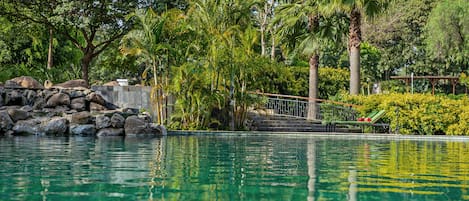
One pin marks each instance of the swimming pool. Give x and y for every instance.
(236, 166)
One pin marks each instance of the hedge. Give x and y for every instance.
(421, 114)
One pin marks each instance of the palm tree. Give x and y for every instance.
(300, 20)
(147, 41)
(220, 27)
(355, 9)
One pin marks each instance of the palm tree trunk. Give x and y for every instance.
(262, 40)
(313, 86)
(158, 95)
(51, 46)
(354, 47)
(272, 52)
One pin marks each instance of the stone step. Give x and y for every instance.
(274, 122)
(292, 124)
(279, 118)
(293, 129)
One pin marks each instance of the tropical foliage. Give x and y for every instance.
(448, 35)
(421, 114)
(207, 56)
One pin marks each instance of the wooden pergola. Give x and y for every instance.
(433, 80)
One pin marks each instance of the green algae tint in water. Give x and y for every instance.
(229, 167)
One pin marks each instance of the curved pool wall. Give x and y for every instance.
(235, 166)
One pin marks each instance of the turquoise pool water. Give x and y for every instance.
(233, 167)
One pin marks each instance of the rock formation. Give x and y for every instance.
(27, 108)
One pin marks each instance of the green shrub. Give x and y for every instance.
(331, 81)
(421, 114)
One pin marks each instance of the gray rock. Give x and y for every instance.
(30, 96)
(77, 94)
(102, 121)
(56, 126)
(6, 123)
(110, 132)
(26, 108)
(17, 114)
(11, 84)
(81, 118)
(159, 129)
(39, 104)
(14, 97)
(135, 126)
(83, 130)
(9, 133)
(56, 111)
(46, 94)
(96, 98)
(28, 127)
(117, 121)
(58, 99)
(78, 104)
(96, 107)
(1, 100)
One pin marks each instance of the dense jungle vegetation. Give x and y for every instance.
(209, 54)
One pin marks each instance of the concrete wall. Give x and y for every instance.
(137, 97)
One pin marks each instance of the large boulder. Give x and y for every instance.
(96, 98)
(56, 126)
(28, 127)
(58, 99)
(83, 130)
(14, 97)
(18, 114)
(139, 126)
(30, 96)
(117, 121)
(24, 82)
(110, 132)
(81, 118)
(73, 84)
(134, 126)
(78, 104)
(102, 121)
(6, 123)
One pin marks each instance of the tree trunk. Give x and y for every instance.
(85, 64)
(272, 53)
(262, 40)
(354, 47)
(313, 86)
(51, 46)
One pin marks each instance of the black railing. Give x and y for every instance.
(295, 106)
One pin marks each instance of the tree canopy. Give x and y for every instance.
(89, 25)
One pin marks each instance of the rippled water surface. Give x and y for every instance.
(232, 167)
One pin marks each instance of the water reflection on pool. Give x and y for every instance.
(233, 167)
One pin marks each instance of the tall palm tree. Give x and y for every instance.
(355, 9)
(299, 31)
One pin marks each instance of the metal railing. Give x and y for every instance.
(299, 107)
